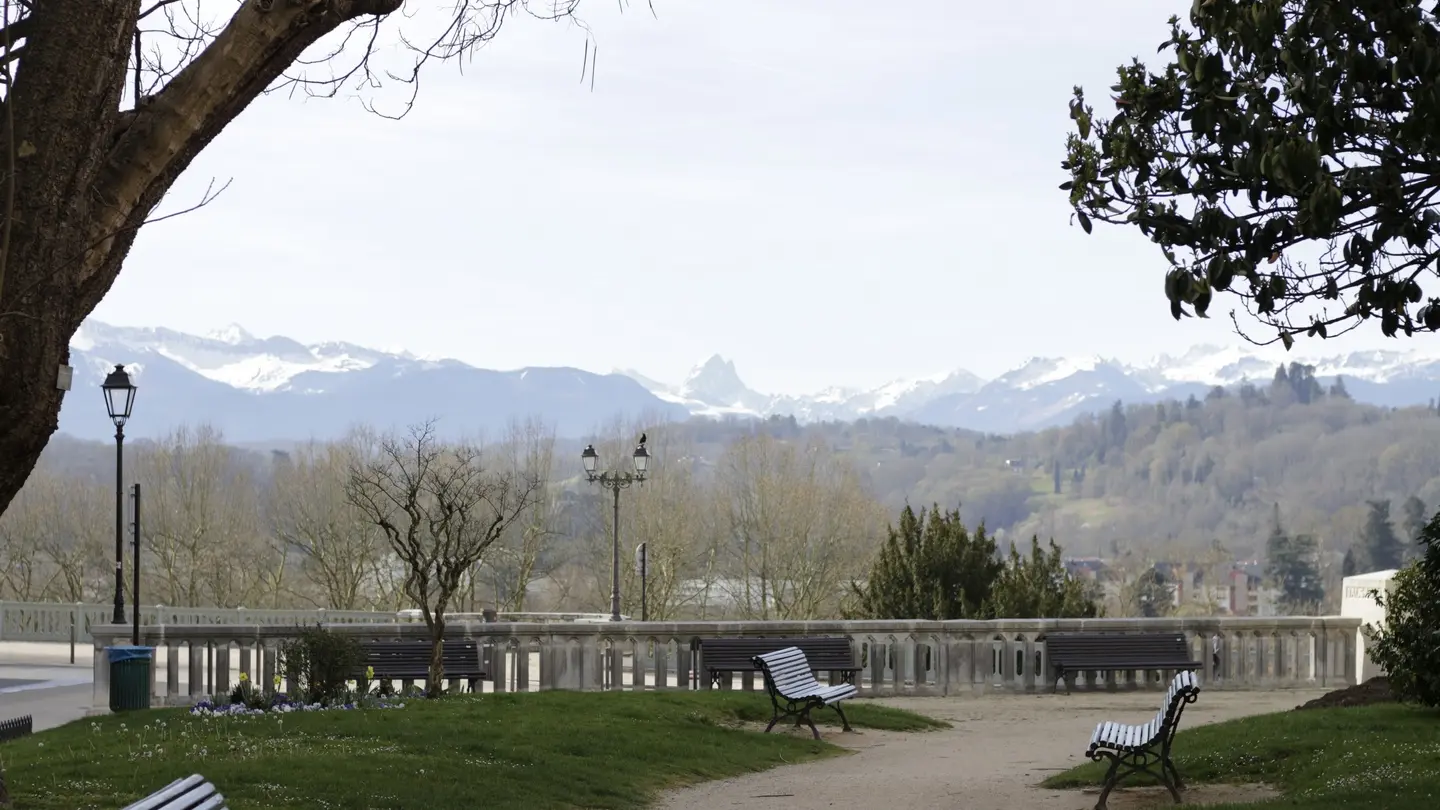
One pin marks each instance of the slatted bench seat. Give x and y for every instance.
(789, 678)
(1072, 653)
(408, 660)
(720, 657)
(190, 793)
(1145, 747)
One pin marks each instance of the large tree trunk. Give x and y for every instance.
(87, 175)
(435, 682)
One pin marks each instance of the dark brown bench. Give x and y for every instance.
(1071, 653)
(408, 660)
(720, 657)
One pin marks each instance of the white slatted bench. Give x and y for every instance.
(190, 793)
(789, 679)
(1143, 747)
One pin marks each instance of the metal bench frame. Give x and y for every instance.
(1148, 755)
(800, 707)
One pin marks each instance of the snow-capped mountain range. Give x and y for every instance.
(259, 389)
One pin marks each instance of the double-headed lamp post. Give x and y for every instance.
(119, 399)
(616, 481)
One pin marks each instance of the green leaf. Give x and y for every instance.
(1288, 340)
(1084, 220)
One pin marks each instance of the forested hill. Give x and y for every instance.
(1170, 477)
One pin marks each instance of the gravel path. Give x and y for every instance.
(1000, 747)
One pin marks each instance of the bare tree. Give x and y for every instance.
(24, 529)
(310, 514)
(200, 520)
(107, 102)
(79, 513)
(441, 506)
(523, 554)
(800, 524)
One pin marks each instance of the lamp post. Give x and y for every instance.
(616, 481)
(119, 399)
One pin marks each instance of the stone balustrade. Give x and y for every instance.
(897, 657)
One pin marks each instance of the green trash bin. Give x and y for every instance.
(130, 677)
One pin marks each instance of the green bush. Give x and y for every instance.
(1408, 647)
(319, 663)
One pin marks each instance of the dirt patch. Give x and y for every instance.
(1146, 798)
(1369, 693)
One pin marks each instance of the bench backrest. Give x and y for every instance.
(787, 672)
(1079, 649)
(1184, 689)
(16, 728)
(459, 655)
(825, 653)
(190, 793)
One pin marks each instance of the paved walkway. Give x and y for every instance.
(998, 749)
(39, 680)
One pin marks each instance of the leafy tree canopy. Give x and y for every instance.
(1280, 129)
(930, 568)
(1038, 586)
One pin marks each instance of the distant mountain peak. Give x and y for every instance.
(233, 334)
(1041, 392)
(716, 382)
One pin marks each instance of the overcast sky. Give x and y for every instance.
(825, 191)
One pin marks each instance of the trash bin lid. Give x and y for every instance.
(129, 653)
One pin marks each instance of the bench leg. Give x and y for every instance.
(1137, 762)
(1112, 778)
(775, 713)
(1175, 784)
(805, 715)
(845, 723)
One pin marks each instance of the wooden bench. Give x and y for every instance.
(720, 657)
(1070, 653)
(789, 678)
(190, 793)
(1142, 748)
(408, 660)
(16, 728)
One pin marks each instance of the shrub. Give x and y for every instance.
(319, 664)
(1408, 647)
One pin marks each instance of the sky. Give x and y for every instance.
(827, 192)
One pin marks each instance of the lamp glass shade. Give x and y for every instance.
(590, 459)
(642, 459)
(119, 395)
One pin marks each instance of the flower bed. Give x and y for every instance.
(247, 701)
(283, 704)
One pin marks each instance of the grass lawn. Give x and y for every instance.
(1376, 757)
(536, 751)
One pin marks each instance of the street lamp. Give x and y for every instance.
(119, 399)
(616, 481)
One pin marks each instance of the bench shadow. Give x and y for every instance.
(1154, 797)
